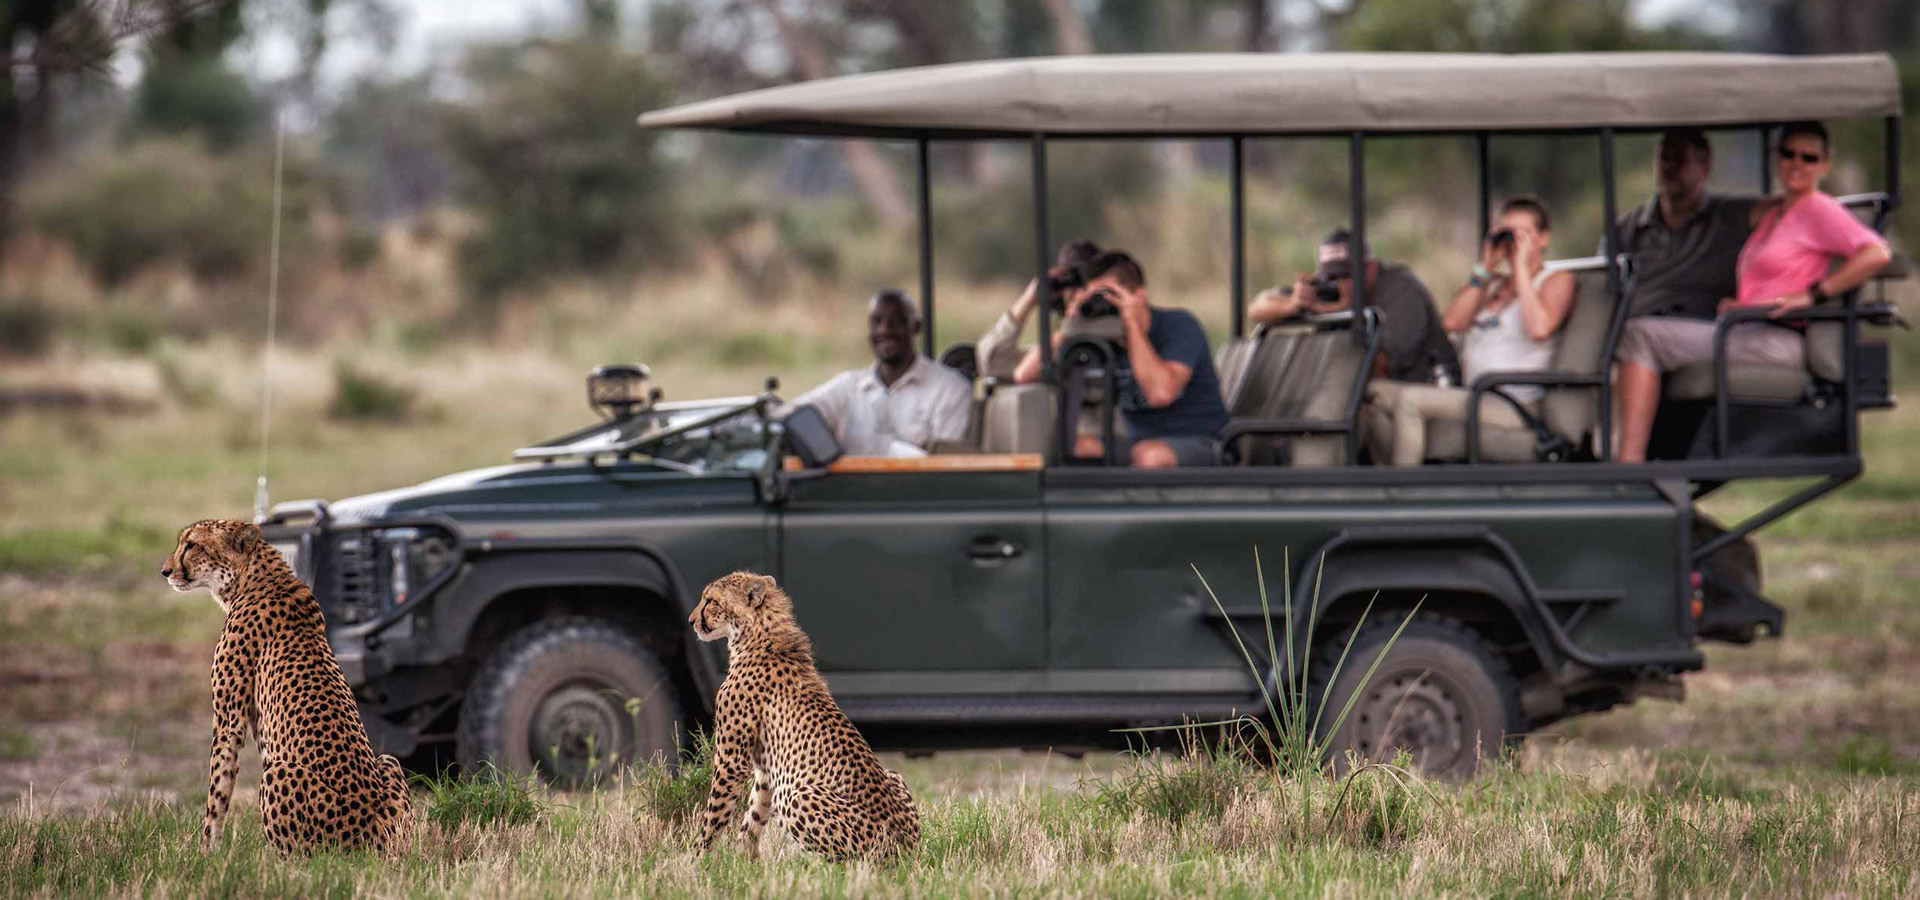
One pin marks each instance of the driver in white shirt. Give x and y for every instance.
(905, 402)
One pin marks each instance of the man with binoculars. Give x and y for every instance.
(1169, 395)
(1413, 346)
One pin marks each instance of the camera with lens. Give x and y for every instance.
(1325, 290)
(1098, 305)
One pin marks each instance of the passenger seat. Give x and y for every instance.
(1567, 414)
(1296, 401)
(1018, 418)
(1766, 385)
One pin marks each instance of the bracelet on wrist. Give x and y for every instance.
(1478, 276)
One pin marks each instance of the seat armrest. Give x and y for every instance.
(1283, 427)
(1846, 309)
(1492, 382)
(1267, 427)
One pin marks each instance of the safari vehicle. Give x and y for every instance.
(535, 613)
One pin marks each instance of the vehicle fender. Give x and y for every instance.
(499, 574)
(1360, 563)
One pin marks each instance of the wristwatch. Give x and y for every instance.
(1813, 291)
(1480, 276)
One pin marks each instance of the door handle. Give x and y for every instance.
(991, 547)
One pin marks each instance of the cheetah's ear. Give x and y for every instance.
(757, 593)
(245, 538)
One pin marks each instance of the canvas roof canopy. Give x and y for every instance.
(1310, 93)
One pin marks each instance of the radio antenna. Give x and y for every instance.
(273, 316)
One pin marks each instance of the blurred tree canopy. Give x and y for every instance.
(552, 162)
(533, 137)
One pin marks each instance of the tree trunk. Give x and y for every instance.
(869, 171)
(1070, 35)
(1259, 22)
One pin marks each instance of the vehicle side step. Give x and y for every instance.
(1056, 708)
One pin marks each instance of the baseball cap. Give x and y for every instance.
(1331, 261)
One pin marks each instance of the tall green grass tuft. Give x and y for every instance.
(1199, 785)
(1296, 734)
(673, 793)
(490, 796)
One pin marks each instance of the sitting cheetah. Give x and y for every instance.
(320, 784)
(774, 718)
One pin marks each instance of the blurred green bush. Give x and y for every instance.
(360, 395)
(164, 200)
(562, 180)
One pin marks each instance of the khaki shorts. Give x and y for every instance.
(1397, 415)
(1664, 343)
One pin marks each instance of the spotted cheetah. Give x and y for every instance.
(774, 720)
(320, 784)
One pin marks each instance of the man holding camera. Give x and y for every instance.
(1413, 346)
(1169, 393)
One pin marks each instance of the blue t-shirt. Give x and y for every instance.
(1177, 336)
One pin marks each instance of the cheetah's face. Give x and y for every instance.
(730, 603)
(210, 554)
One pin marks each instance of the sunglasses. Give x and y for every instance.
(1811, 159)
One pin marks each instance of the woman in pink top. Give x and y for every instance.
(1783, 267)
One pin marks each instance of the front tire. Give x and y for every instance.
(1440, 694)
(573, 699)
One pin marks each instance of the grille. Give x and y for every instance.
(355, 578)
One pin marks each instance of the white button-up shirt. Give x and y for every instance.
(926, 404)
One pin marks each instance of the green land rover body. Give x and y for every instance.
(535, 614)
(1018, 606)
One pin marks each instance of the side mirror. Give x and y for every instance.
(810, 438)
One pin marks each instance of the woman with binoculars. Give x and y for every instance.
(1506, 316)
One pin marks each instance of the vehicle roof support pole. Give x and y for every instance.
(1481, 142)
(1040, 252)
(1766, 163)
(1893, 165)
(1610, 245)
(1237, 234)
(926, 248)
(1357, 236)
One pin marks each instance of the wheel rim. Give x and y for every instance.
(579, 731)
(1417, 711)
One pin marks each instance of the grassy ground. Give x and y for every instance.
(1792, 769)
(1562, 822)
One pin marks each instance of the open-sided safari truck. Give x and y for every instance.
(534, 613)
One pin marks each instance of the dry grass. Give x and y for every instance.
(1563, 823)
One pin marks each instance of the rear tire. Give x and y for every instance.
(573, 699)
(1441, 694)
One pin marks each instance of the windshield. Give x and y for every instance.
(711, 436)
(736, 443)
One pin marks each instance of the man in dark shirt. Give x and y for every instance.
(1685, 242)
(1413, 346)
(1169, 394)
